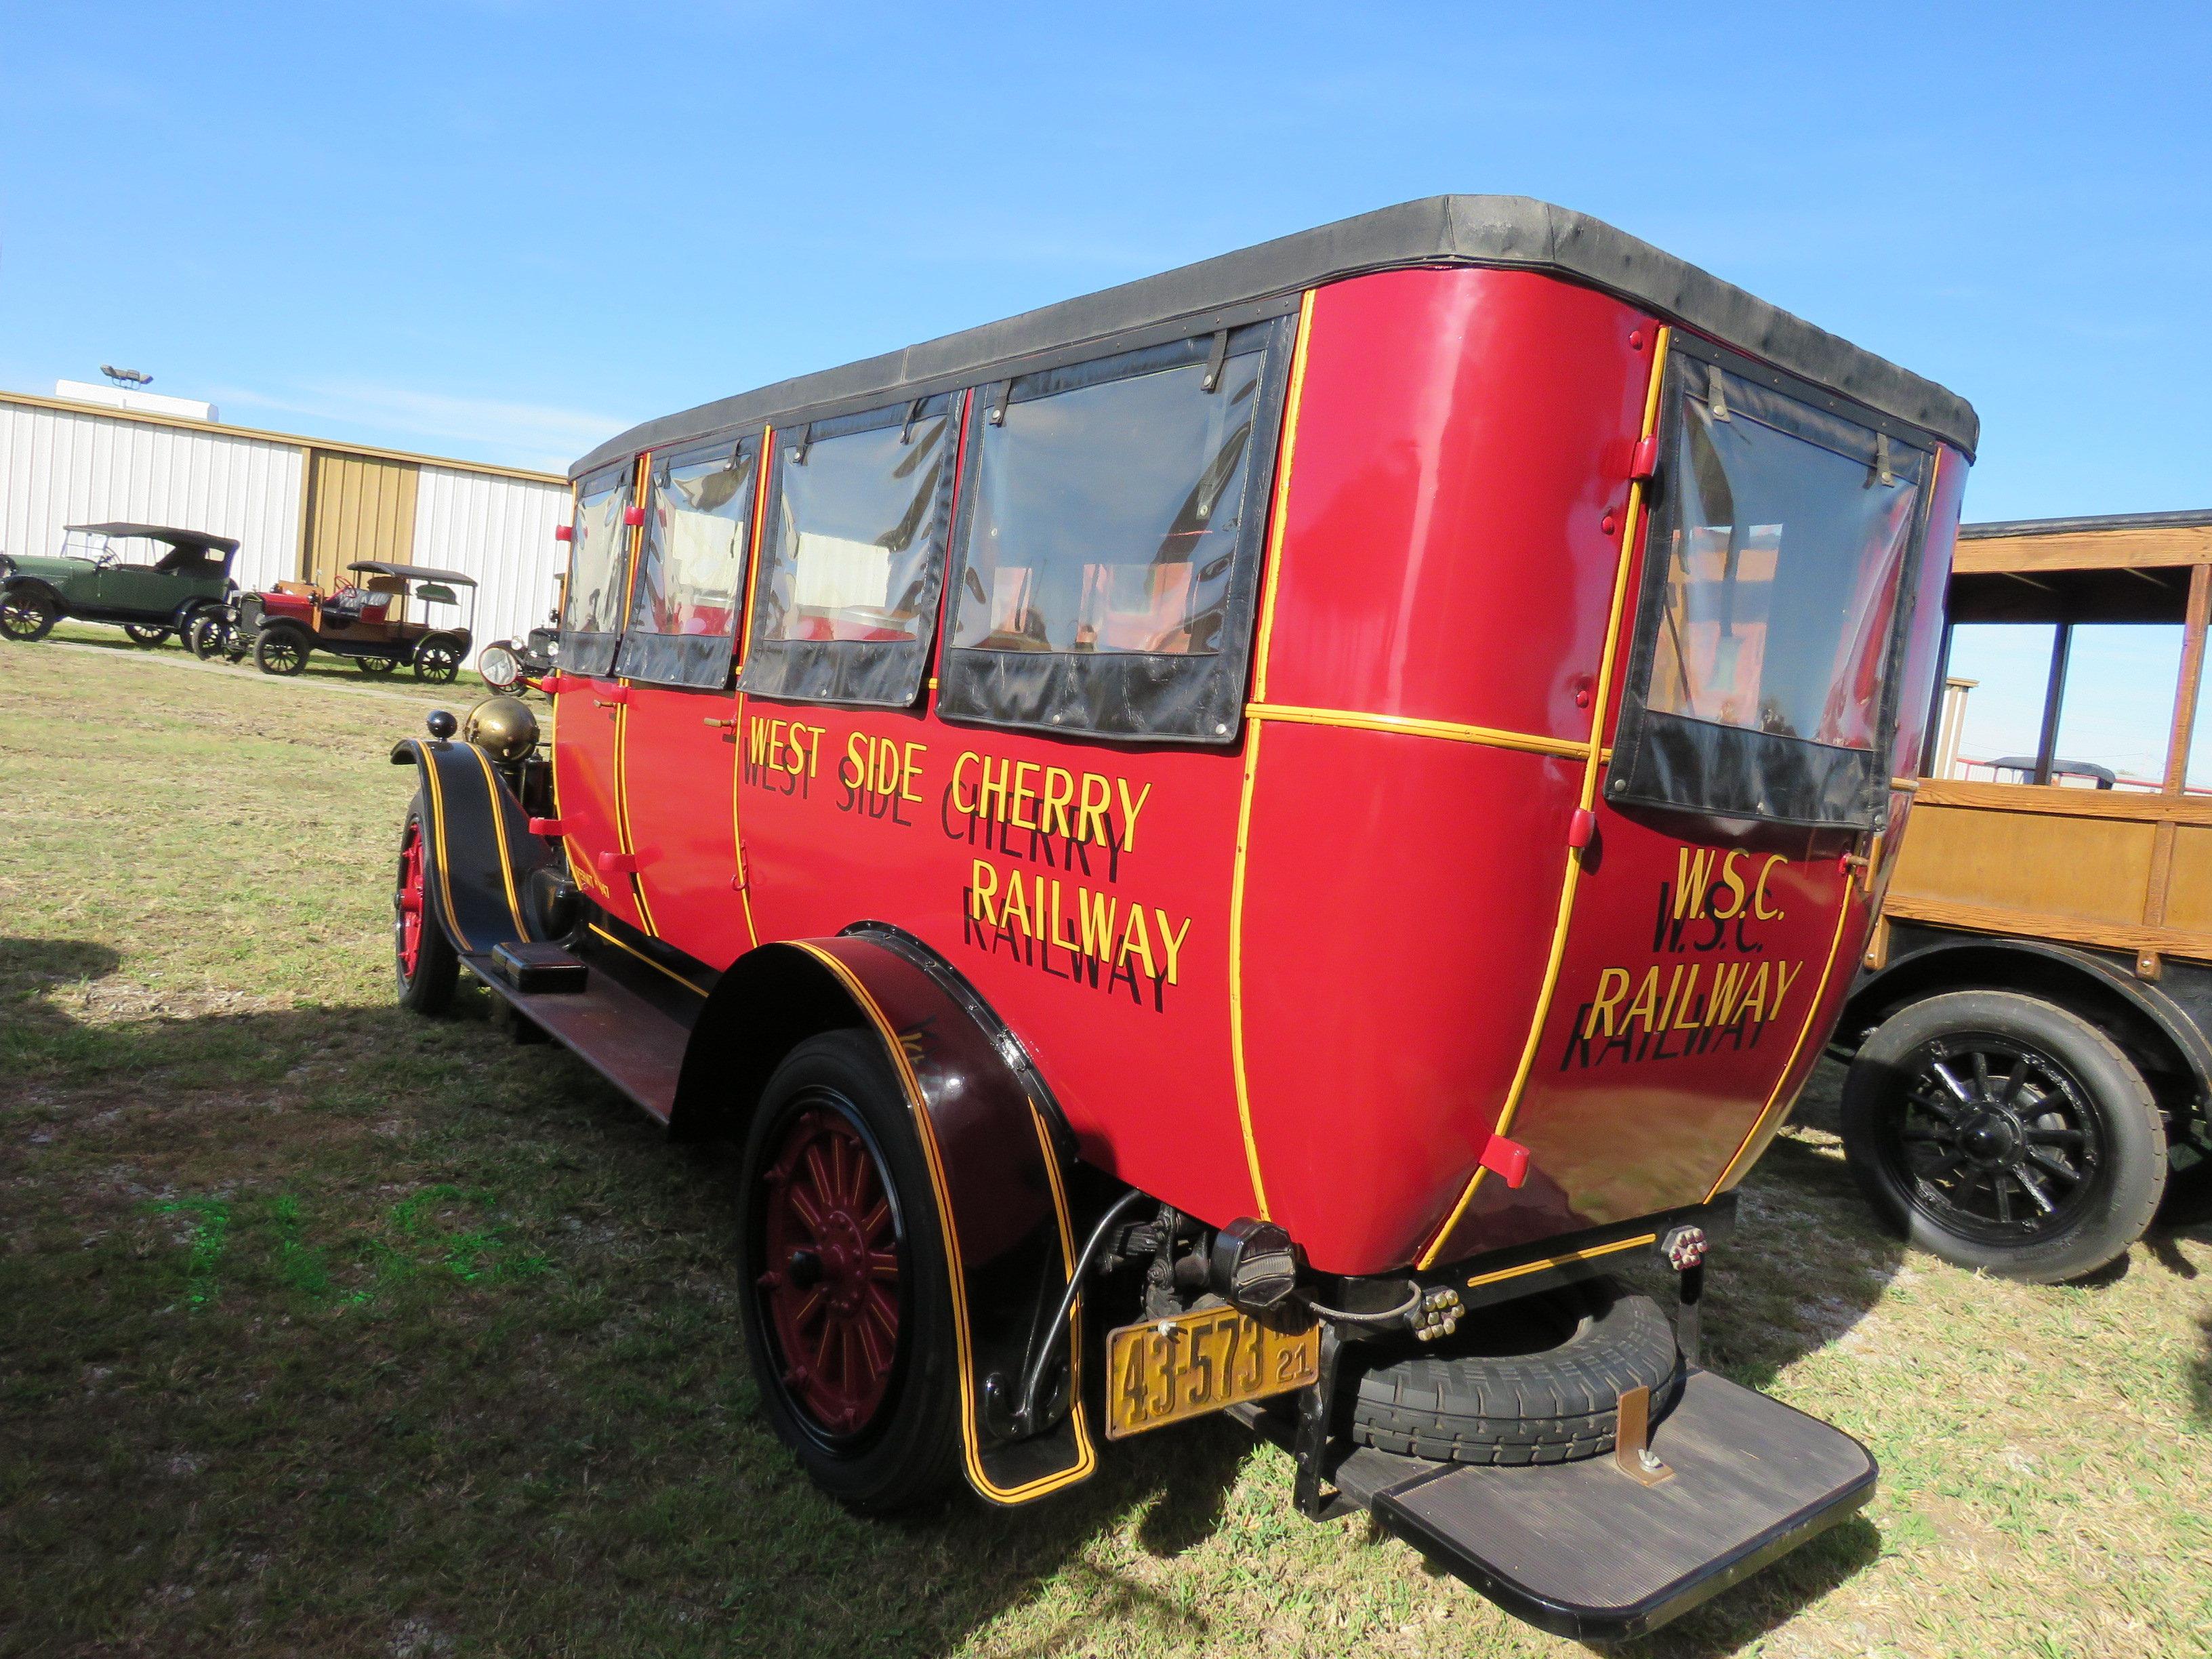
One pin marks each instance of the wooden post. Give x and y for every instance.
(2177, 756)
(2054, 699)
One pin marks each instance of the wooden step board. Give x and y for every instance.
(1582, 1550)
(629, 1037)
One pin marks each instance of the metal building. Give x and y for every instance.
(303, 509)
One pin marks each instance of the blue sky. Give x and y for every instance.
(504, 231)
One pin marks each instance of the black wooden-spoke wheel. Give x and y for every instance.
(210, 637)
(27, 614)
(436, 661)
(376, 667)
(2005, 1132)
(142, 634)
(848, 1305)
(280, 651)
(1999, 1139)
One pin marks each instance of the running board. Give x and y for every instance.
(1582, 1549)
(631, 1040)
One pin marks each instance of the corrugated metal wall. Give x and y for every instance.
(500, 530)
(59, 468)
(61, 465)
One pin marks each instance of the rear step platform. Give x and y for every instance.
(628, 1035)
(1582, 1549)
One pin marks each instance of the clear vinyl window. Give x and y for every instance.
(1107, 552)
(852, 554)
(1782, 562)
(1107, 518)
(690, 591)
(598, 573)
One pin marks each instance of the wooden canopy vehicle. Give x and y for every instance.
(395, 614)
(2032, 1027)
(149, 579)
(1240, 843)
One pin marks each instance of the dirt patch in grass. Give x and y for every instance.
(327, 1330)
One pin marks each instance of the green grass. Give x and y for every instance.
(327, 1330)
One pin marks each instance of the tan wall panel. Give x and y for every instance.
(2092, 868)
(2189, 899)
(358, 508)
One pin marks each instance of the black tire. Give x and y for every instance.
(376, 667)
(209, 635)
(1961, 1110)
(437, 661)
(27, 614)
(906, 1453)
(427, 988)
(281, 651)
(1535, 1380)
(142, 634)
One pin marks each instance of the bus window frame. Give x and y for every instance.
(1126, 696)
(597, 662)
(862, 673)
(1680, 763)
(690, 662)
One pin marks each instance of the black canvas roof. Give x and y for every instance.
(161, 533)
(412, 572)
(1510, 232)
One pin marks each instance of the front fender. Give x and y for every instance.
(481, 853)
(990, 1135)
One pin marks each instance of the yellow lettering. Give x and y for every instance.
(1129, 810)
(1603, 1004)
(982, 885)
(1646, 1003)
(1759, 893)
(757, 741)
(1666, 1008)
(1754, 996)
(1016, 905)
(1728, 985)
(1059, 791)
(1172, 942)
(777, 735)
(1097, 911)
(1136, 938)
(966, 808)
(1734, 883)
(1022, 793)
(1065, 943)
(909, 770)
(1684, 1021)
(1091, 814)
(855, 752)
(813, 747)
(1783, 973)
(994, 787)
(1694, 874)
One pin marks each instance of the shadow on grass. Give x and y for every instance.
(286, 1374)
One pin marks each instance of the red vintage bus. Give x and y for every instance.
(1243, 843)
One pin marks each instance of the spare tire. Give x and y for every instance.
(1535, 1380)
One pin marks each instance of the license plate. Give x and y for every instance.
(1205, 1360)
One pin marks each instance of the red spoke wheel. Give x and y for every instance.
(848, 1310)
(422, 959)
(832, 1282)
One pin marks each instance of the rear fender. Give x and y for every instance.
(990, 1135)
(481, 853)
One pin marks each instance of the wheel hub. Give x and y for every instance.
(1991, 1138)
(1997, 1138)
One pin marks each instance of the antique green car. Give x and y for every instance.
(102, 574)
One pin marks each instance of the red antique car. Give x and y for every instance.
(1241, 843)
